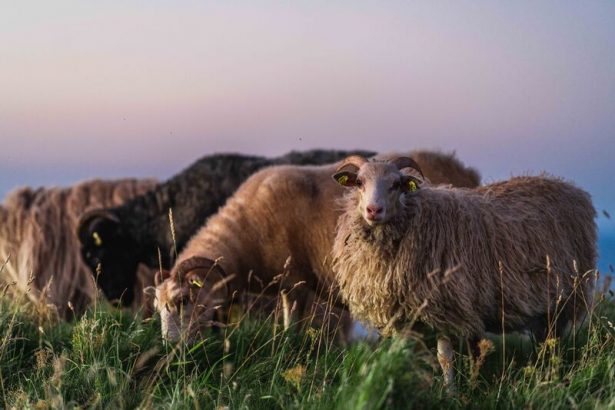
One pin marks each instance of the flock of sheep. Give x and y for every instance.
(390, 240)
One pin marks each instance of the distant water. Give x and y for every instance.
(606, 249)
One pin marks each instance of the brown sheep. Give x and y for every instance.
(37, 230)
(279, 212)
(509, 256)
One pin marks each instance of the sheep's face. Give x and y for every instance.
(109, 254)
(380, 185)
(189, 297)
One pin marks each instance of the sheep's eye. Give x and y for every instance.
(412, 186)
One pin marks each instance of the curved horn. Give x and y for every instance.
(196, 262)
(210, 266)
(103, 213)
(406, 162)
(88, 216)
(354, 161)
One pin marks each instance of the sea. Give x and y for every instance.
(606, 253)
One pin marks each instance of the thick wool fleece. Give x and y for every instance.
(452, 255)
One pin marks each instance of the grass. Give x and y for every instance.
(112, 359)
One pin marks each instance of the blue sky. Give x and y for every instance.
(144, 88)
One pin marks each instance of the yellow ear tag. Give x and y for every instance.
(343, 180)
(197, 283)
(97, 239)
(412, 186)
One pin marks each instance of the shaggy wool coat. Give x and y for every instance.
(518, 252)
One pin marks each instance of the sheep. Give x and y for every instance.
(280, 213)
(510, 256)
(119, 239)
(38, 244)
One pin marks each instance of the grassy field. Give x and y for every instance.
(110, 359)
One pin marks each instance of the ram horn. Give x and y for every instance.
(405, 162)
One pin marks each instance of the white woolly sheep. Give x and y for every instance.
(509, 256)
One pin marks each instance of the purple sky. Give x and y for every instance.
(144, 88)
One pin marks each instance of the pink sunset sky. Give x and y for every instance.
(144, 88)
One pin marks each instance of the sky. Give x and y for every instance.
(144, 88)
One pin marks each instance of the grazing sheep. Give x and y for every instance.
(509, 256)
(37, 230)
(279, 212)
(120, 238)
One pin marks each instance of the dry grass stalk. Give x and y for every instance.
(485, 348)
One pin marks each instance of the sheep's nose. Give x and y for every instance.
(374, 210)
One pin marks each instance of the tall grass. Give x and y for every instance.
(112, 359)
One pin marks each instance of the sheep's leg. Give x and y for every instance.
(446, 359)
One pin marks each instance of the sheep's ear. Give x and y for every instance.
(345, 178)
(410, 183)
(161, 276)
